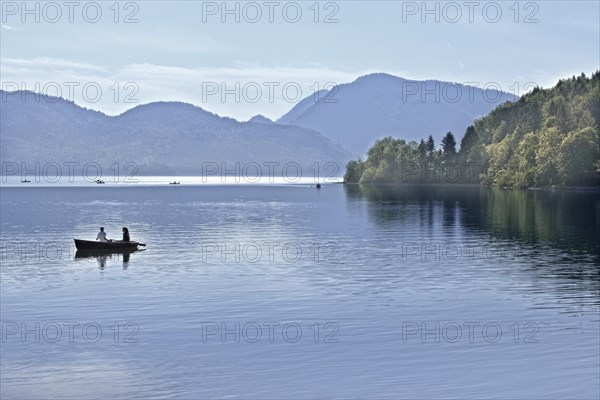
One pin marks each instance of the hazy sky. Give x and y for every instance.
(278, 52)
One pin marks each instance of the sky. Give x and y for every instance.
(239, 59)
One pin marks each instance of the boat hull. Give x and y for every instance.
(106, 246)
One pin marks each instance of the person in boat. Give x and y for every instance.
(126, 237)
(101, 236)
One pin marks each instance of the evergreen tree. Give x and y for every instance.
(449, 144)
(469, 140)
(430, 145)
(422, 149)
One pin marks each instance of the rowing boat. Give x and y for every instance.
(114, 245)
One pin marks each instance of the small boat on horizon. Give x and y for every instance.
(25, 181)
(174, 183)
(99, 182)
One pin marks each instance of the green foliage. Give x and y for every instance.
(548, 137)
(526, 156)
(546, 156)
(395, 161)
(354, 171)
(579, 151)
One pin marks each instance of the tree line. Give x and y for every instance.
(547, 137)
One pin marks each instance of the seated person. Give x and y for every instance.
(126, 235)
(101, 235)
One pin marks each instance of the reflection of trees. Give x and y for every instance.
(420, 203)
(557, 232)
(570, 220)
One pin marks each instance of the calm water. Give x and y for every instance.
(284, 291)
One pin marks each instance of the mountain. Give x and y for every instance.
(378, 105)
(260, 119)
(161, 138)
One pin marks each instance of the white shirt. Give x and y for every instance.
(101, 237)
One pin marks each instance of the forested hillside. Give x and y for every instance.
(548, 137)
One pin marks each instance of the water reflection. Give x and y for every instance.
(369, 286)
(554, 234)
(102, 256)
(570, 220)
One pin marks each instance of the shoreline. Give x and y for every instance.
(532, 188)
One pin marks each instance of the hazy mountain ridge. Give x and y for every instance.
(373, 106)
(162, 137)
(176, 137)
(261, 119)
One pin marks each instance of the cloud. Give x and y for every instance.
(43, 64)
(240, 72)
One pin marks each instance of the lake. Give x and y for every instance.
(285, 291)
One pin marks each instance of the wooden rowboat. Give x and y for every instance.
(114, 245)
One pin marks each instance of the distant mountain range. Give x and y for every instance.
(177, 138)
(161, 138)
(378, 105)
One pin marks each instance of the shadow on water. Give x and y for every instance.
(104, 256)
